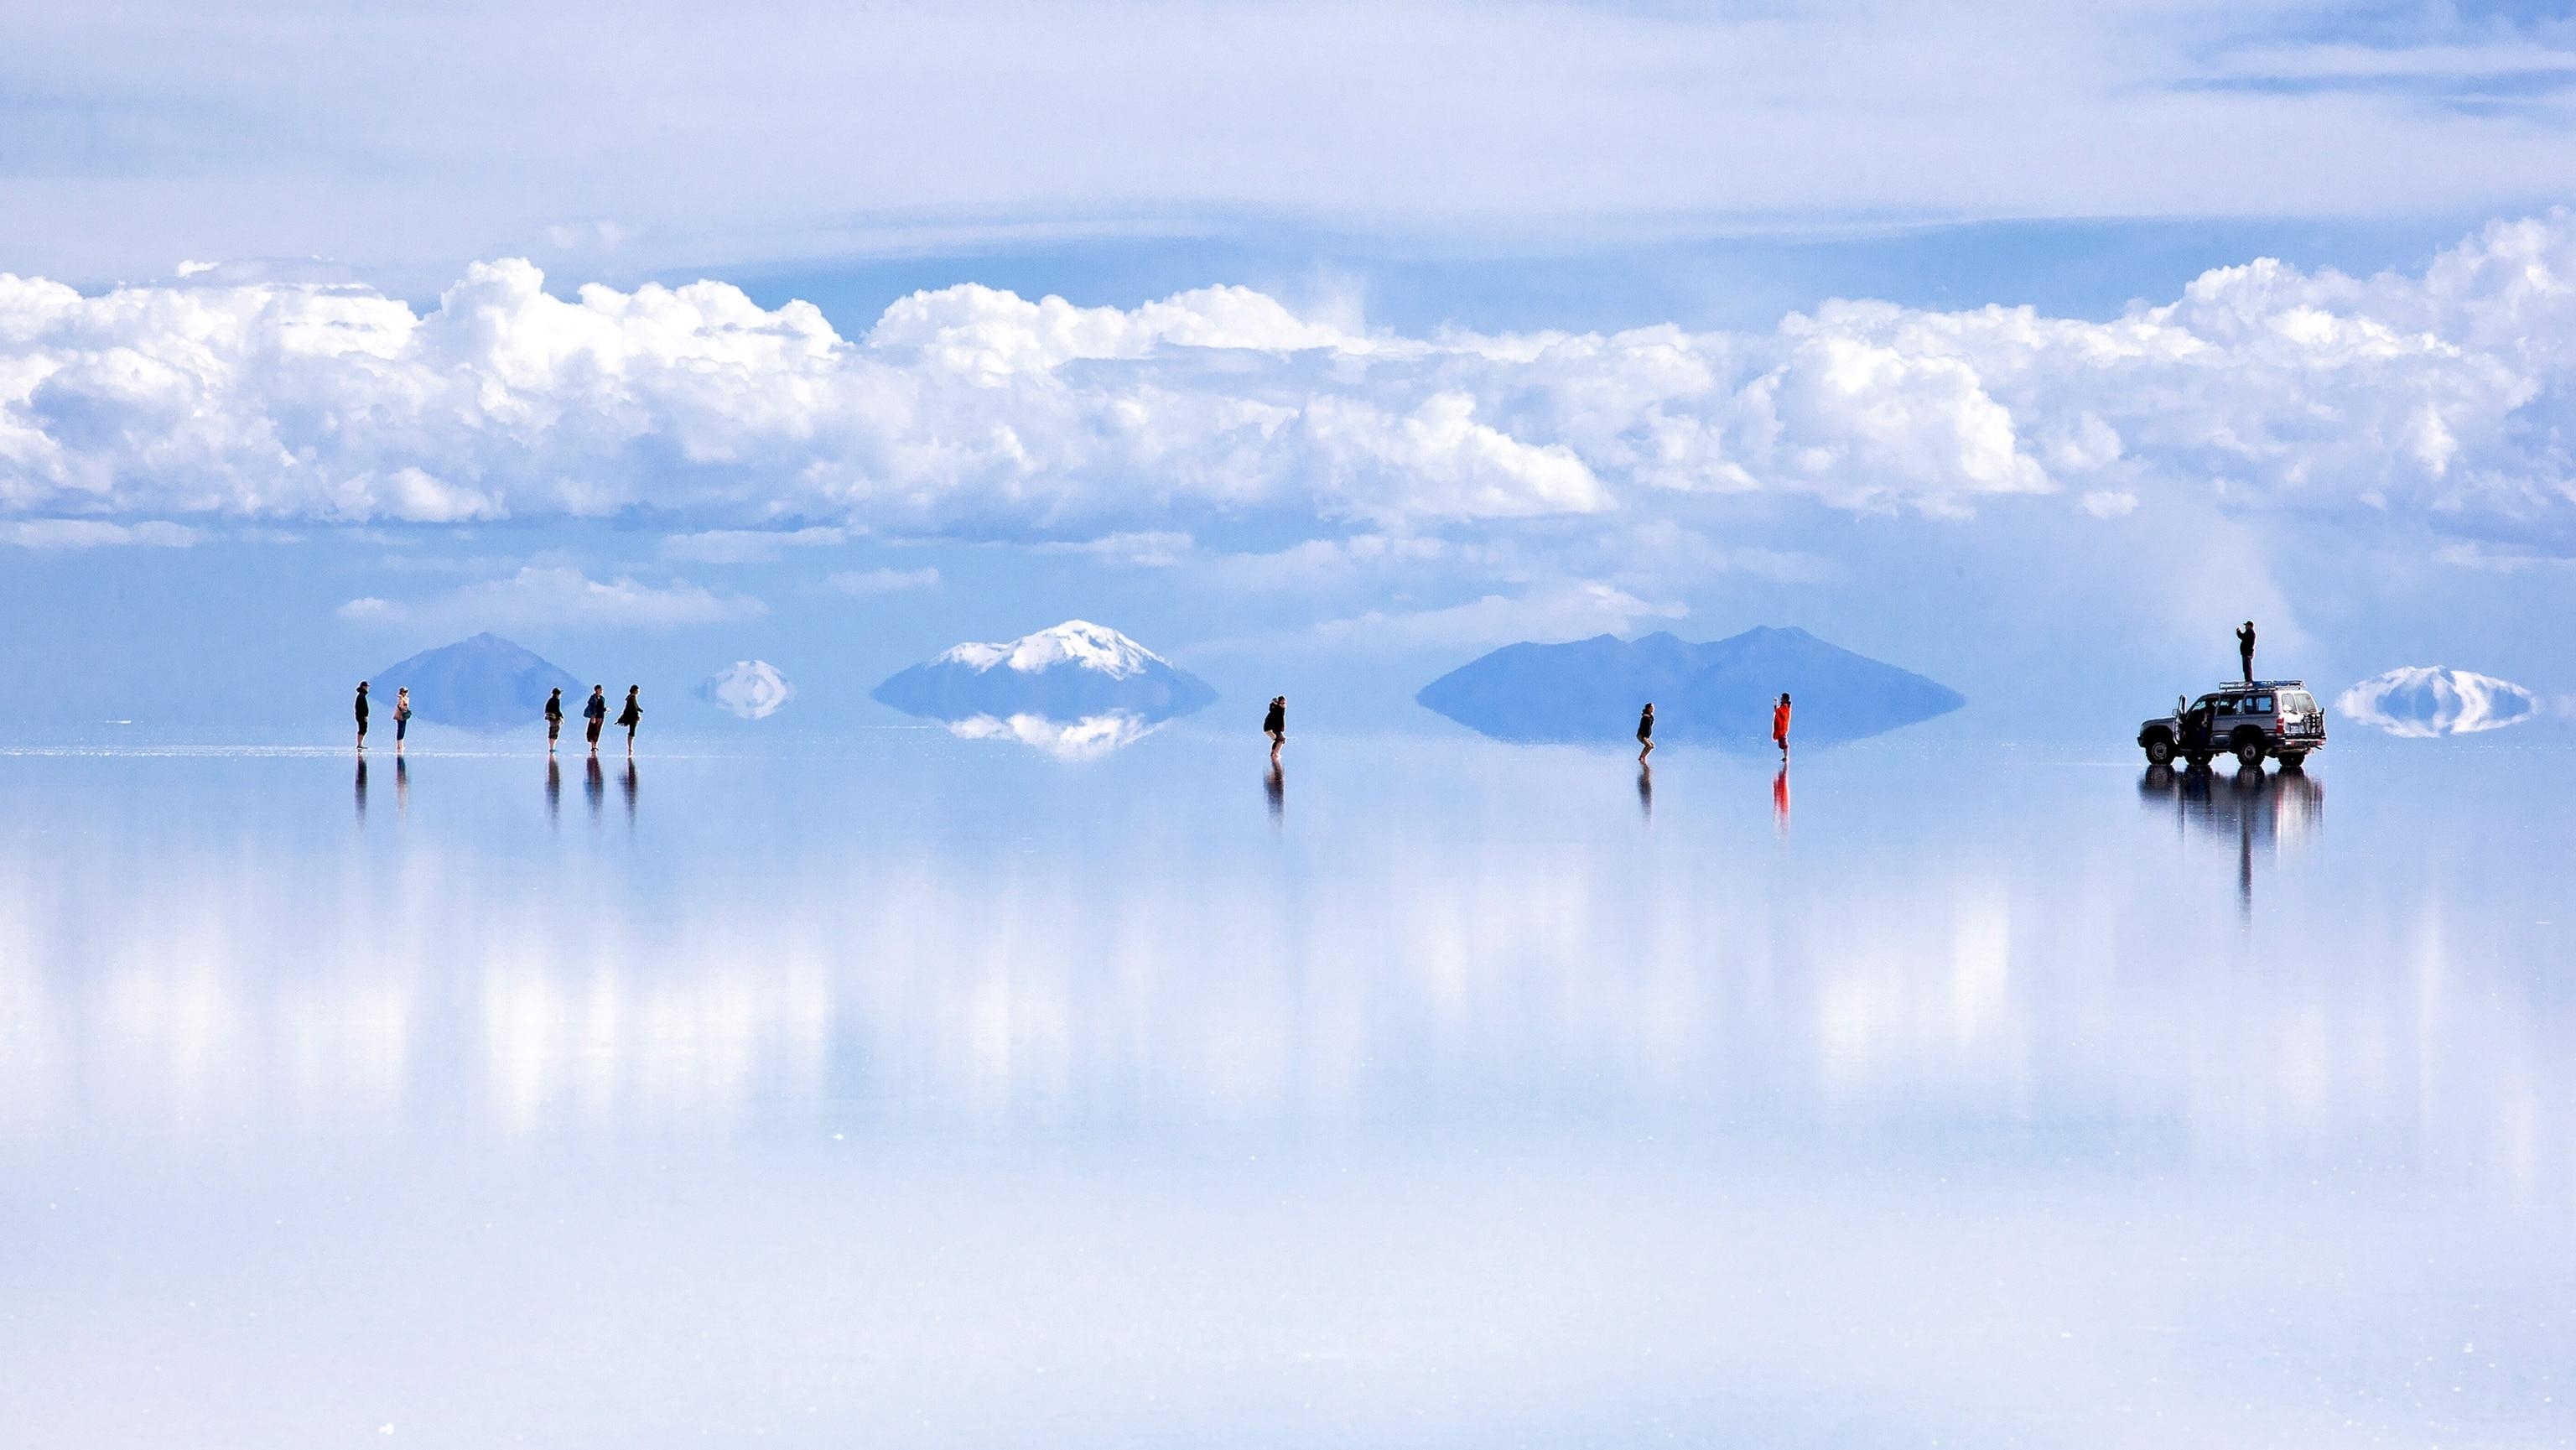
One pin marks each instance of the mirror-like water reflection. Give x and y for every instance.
(913, 1092)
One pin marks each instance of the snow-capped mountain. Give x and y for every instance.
(1075, 642)
(747, 690)
(2423, 702)
(1075, 671)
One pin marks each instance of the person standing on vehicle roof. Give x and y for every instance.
(2245, 649)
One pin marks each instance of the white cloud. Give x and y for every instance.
(880, 581)
(2426, 701)
(560, 597)
(2436, 397)
(749, 546)
(94, 534)
(747, 689)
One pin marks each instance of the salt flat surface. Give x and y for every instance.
(917, 1091)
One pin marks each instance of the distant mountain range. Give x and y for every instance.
(1719, 693)
(1073, 672)
(483, 683)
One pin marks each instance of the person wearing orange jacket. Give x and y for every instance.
(1780, 725)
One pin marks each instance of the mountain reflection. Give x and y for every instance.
(1087, 738)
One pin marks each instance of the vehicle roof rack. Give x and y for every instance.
(2240, 686)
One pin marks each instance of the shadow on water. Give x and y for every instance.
(2259, 811)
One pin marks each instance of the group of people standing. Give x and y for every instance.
(594, 713)
(1646, 729)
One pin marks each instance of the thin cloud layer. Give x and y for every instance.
(2440, 396)
(561, 597)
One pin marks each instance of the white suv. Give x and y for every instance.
(2268, 717)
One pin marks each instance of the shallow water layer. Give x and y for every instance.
(916, 1091)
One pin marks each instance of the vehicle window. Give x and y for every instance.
(2259, 705)
(2301, 701)
(2222, 707)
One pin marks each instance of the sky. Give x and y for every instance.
(1319, 347)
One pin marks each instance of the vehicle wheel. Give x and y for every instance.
(2159, 750)
(2249, 754)
(2295, 760)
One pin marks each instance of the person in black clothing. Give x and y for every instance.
(631, 716)
(2245, 649)
(362, 714)
(1646, 733)
(594, 713)
(1275, 724)
(2195, 729)
(554, 718)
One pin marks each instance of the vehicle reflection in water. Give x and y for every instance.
(2259, 811)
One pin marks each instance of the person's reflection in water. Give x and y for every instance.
(2249, 790)
(1646, 789)
(1780, 800)
(402, 785)
(1274, 784)
(626, 783)
(595, 786)
(362, 790)
(554, 791)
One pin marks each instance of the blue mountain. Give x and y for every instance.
(1071, 672)
(1718, 693)
(483, 683)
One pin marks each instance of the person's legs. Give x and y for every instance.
(630, 740)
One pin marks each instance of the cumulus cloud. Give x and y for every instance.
(2440, 396)
(747, 690)
(2426, 701)
(562, 597)
(880, 581)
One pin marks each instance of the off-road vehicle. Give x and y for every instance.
(2278, 718)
